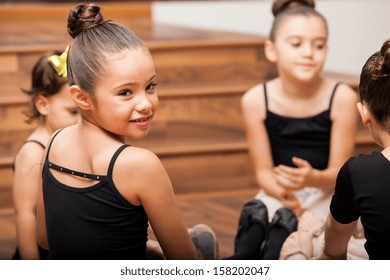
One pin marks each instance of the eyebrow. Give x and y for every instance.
(133, 83)
(299, 37)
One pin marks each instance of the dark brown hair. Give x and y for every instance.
(283, 9)
(94, 38)
(280, 5)
(374, 87)
(44, 81)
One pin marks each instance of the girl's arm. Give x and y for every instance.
(344, 118)
(254, 113)
(342, 144)
(151, 187)
(25, 194)
(337, 236)
(41, 220)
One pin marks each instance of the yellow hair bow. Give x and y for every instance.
(59, 62)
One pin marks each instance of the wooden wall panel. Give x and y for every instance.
(210, 172)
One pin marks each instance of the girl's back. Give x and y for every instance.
(89, 232)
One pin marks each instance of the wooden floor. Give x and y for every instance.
(219, 211)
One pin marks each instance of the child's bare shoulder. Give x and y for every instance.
(139, 160)
(345, 95)
(30, 153)
(253, 97)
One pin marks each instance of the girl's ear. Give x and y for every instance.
(269, 49)
(364, 114)
(82, 100)
(42, 105)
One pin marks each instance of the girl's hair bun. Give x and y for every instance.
(82, 17)
(279, 6)
(378, 66)
(385, 52)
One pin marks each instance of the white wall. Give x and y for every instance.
(357, 27)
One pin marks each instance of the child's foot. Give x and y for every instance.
(205, 241)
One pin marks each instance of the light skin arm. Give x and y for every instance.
(342, 143)
(254, 113)
(151, 187)
(41, 222)
(337, 236)
(25, 193)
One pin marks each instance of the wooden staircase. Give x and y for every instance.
(198, 132)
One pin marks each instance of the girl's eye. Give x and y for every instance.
(295, 44)
(151, 87)
(320, 46)
(74, 111)
(125, 92)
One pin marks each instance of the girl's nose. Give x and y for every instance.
(144, 105)
(308, 50)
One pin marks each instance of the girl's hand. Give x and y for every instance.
(290, 201)
(294, 178)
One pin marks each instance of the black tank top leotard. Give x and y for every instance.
(43, 254)
(307, 138)
(94, 222)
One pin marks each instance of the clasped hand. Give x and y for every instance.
(294, 178)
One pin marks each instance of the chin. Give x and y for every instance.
(139, 135)
(306, 75)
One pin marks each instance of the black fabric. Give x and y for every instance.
(95, 222)
(284, 222)
(250, 243)
(363, 190)
(276, 237)
(307, 138)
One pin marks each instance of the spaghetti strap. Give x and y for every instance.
(113, 159)
(76, 173)
(35, 141)
(51, 142)
(28, 141)
(334, 91)
(265, 97)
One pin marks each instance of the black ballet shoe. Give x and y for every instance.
(254, 211)
(205, 242)
(283, 218)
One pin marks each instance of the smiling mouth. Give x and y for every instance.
(141, 120)
(306, 64)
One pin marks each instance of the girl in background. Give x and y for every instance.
(300, 129)
(53, 108)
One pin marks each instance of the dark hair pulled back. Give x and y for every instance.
(280, 5)
(83, 17)
(374, 87)
(44, 81)
(93, 39)
(282, 9)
